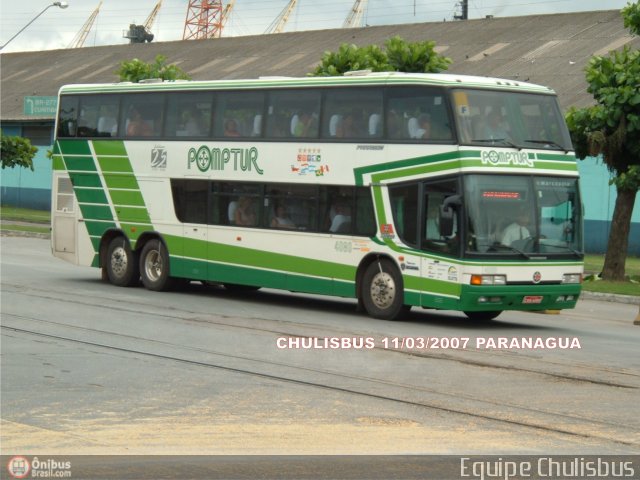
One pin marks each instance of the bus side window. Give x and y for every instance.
(404, 202)
(352, 113)
(293, 114)
(418, 114)
(68, 116)
(236, 114)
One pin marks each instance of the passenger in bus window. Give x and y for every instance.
(245, 214)
(494, 128)
(517, 230)
(231, 128)
(341, 222)
(281, 218)
(194, 122)
(347, 127)
(394, 129)
(424, 126)
(136, 125)
(304, 126)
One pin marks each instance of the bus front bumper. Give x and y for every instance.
(519, 297)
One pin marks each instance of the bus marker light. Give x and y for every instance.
(238, 239)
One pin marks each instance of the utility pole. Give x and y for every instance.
(465, 11)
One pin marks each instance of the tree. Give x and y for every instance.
(611, 128)
(16, 151)
(399, 55)
(136, 70)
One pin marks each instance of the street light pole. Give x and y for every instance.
(61, 4)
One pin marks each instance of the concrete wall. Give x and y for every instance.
(599, 200)
(22, 187)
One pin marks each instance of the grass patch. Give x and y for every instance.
(25, 215)
(619, 288)
(10, 227)
(593, 265)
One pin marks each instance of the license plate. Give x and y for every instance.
(532, 299)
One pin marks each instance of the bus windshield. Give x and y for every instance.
(521, 215)
(510, 119)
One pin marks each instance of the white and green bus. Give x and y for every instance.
(435, 191)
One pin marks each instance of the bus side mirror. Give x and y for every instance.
(447, 214)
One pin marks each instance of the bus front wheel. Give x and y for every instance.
(382, 293)
(122, 264)
(483, 316)
(154, 266)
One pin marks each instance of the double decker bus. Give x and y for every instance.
(436, 191)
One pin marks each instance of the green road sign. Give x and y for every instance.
(40, 106)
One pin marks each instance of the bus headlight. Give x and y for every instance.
(488, 280)
(572, 278)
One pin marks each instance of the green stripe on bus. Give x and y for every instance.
(247, 275)
(115, 180)
(85, 179)
(556, 157)
(96, 212)
(109, 147)
(411, 298)
(420, 170)
(97, 229)
(74, 147)
(132, 214)
(58, 163)
(127, 198)
(410, 162)
(134, 230)
(218, 252)
(86, 195)
(95, 242)
(115, 164)
(80, 163)
(431, 285)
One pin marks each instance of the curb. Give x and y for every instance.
(610, 297)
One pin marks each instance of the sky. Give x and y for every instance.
(56, 27)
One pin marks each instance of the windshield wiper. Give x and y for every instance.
(497, 140)
(513, 249)
(549, 142)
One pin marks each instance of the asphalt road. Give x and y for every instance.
(89, 368)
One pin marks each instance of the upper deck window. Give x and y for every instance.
(525, 120)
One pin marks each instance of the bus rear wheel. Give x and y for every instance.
(483, 316)
(382, 293)
(154, 266)
(122, 264)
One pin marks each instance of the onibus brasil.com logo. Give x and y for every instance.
(20, 467)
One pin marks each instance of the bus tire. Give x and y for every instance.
(382, 293)
(122, 263)
(483, 316)
(154, 266)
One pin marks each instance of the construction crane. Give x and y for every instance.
(81, 36)
(281, 20)
(354, 19)
(142, 33)
(152, 16)
(204, 20)
(225, 15)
